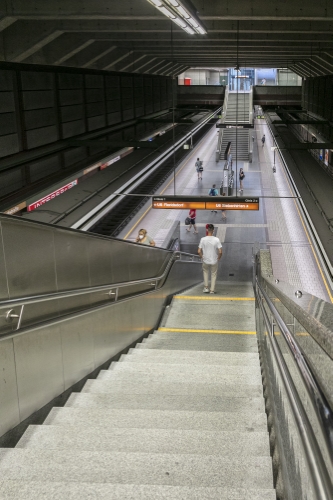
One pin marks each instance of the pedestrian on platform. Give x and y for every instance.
(213, 192)
(199, 168)
(192, 215)
(241, 178)
(263, 139)
(210, 251)
(144, 238)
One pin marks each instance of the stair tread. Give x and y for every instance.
(164, 402)
(163, 419)
(148, 385)
(135, 468)
(19, 490)
(235, 358)
(225, 443)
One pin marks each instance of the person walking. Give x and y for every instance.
(192, 215)
(263, 139)
(199, 168)
(241, 178)
(213, 192)
(144, 238)
(210, 251)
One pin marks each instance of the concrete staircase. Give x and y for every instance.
(239, 145)
(238, 108)
(181, 416)
(237, 112)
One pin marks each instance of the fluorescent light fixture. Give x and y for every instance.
(181, 15)
(180, 23)
(189, 30)
(167, 13)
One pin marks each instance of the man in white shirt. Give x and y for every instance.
(210, 250)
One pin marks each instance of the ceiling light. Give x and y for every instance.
(167, 13)
(192, 22)
(180, 23)
(189, 30)
(180, 15)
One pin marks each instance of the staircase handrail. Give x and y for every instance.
(319, 475)
(111, 288)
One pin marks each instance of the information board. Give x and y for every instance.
(206, 202)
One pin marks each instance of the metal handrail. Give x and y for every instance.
(320, 476)
(81, 291)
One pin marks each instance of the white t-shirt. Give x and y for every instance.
(210, 248)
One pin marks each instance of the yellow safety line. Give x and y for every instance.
(190, 330)
(309, 240)
(199, 297)
(166, 187)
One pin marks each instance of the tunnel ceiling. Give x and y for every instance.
(133, 36)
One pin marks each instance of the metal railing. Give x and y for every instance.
(319, 471)
(14, 309)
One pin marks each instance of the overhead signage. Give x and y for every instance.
(17, 208)
(51, 196)
(228, 125)
(205, 202)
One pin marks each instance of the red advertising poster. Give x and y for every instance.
(51, 196)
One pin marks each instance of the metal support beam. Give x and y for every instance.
(145, 64)
(155, 66)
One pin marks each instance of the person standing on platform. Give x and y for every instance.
(263, 139)
(192, 215)
(144, 238)
(241, 178)
(213, 192)
(210, 251)
(199, 168)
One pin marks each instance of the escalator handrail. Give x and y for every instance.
(81, 291)
(320, 476)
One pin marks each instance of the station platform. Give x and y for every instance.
(277, 225)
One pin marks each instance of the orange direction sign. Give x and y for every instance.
(206, 202)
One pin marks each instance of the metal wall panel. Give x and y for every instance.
(9, 409)
(4, 292)
(71, 260)
(29, 255)
(39, 368)
(77, 343)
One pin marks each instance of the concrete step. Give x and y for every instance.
(189, 369)
(189, 357)
(149, 385)
(187, 373)
(83, 438)
(175, 376)
(163, 402)
(246, 420)
(32, 490)
(200, 342)
(135, 468)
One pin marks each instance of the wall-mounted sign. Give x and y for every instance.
(90, 169)
(205, 202)
(17, 208)
(51, 196)
(108, 163)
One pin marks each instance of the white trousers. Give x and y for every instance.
(212, 268)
